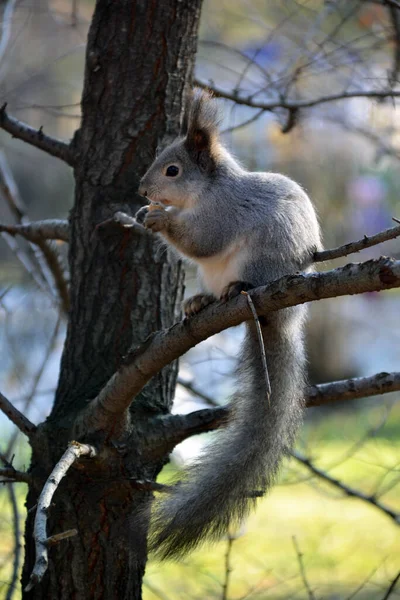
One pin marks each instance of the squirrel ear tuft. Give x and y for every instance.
(202, 129)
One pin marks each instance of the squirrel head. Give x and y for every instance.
(180, 173)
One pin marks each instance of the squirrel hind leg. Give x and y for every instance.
(196, 303)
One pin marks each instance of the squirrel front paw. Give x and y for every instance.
(141, 214)
(234, 288)
(196, 303)
(156, 219)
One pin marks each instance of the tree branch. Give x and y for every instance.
(40, 231)
(179, 427)
(10, 475)
(351, 389)
(299, 554)
(23, 424)
(365, 242)
(17, 543)
(72, 454)
(393, 584)
(51, 267)
(163, 347)
(58, 229)
(294, 105)
(335, 391)
(352, 492)
(35, 137)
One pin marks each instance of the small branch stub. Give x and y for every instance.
(74, 451)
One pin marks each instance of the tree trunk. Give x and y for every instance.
(139, 65)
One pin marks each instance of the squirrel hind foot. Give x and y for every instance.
(234, 288)
(196, 303)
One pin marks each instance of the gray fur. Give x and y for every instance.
(262, 226)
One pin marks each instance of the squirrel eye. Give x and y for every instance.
(172, 171)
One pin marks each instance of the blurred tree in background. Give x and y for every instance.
(308, 88)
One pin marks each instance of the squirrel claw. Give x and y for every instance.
(234, 288)
(196, 303)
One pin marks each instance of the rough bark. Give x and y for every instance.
(138, 68)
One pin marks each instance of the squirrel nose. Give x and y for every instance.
(142, 190)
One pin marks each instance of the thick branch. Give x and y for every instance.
(73, 452)
(23, 424)
(295, 105)
(40, 231)
(366, 242)
(35, 137)
(165, 346)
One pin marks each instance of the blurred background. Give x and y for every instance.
(310, 538)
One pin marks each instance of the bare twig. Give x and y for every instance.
(23, 424)
(27, 261)
(294, 105)
(362, 584)
(351, 389)
(35, 137)
(35, 381)
(71, 455)
(334, 391)
(366, 242)
(180, 427)
(47, 256)
(352, 492)
(252, 119)
(190, 388)
(262, 347)
(394, 582)
(48, 229)
(228, 568)
(17, 543)
(302, 569)
(10, 475)
(163, 347)
(53, 261)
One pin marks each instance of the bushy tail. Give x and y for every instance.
(220, 489)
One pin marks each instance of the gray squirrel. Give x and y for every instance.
(243, 230)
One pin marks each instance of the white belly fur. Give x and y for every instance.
(219, 270)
